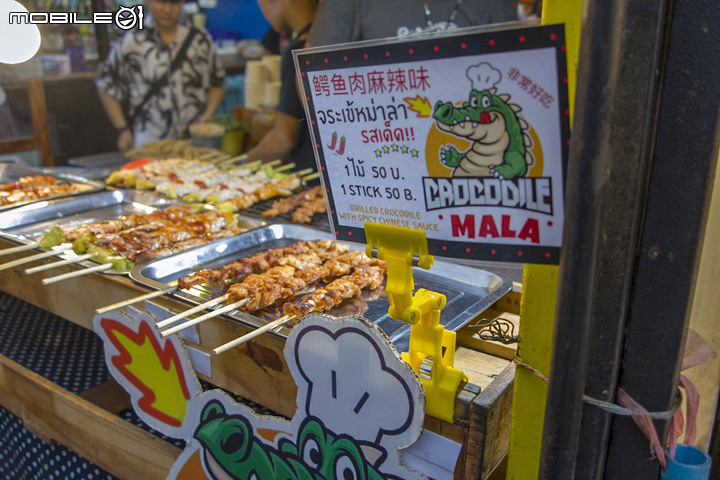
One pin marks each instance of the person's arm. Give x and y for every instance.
(278, 142)
(336, 21)
(215, 98)
(117, 118)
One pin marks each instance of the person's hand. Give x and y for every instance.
(205, 117)
(125, 141)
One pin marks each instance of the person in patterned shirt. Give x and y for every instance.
(160, 79)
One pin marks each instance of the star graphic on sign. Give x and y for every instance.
(378, 153)
(395, 148)
(414, 152)
(404, 149)
(386, 149)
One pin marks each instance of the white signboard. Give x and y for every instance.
(463, 136)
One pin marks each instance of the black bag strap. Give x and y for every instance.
(163, 80)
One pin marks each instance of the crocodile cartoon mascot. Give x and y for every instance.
(500, 143)
(233, 452)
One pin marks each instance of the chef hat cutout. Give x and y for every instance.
(483, 76)
(349, 374)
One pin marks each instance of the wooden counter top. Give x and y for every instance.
(257, 369)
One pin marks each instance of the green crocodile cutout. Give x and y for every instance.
(232, 451)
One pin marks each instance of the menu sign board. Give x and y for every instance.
(464, 136)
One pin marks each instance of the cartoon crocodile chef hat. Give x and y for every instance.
(483, 76)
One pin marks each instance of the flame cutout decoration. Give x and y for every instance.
(151, 369)
(419, 105)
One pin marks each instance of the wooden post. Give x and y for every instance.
(41, 127)
(41, 135)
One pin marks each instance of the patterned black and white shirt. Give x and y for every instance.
(142, 58)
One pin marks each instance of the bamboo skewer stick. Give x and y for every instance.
(216, 157)
(18, 249)
(287, 166)
(78, 273)
(359, 279)
(209, 155)
(50, 266)
(187, 313)
(272, 164)
(249, 336)
(229, 161)
(253, 166)
(300, 173)
(200, 167)
(202, 318)
(138, 299)
(312, 176)
(31, 258)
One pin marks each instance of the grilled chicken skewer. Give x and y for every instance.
(195, 180)
(164, 234)
(282, 258)
(279, 188)
(283, 282)
(323, 299)
(305, 212)
(278, 284)
(31, 188)
(167, 250)
(34, 181)
(363, 277)
(286, 205)
(133, 241)
(204, 187)
(129, 221)
(260, 261)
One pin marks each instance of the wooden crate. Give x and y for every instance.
(257, 371)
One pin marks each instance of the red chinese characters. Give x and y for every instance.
(374, 82)
(527, 84)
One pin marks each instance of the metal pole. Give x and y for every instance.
(677, 199)
(641, 168)
(614, 112)
(637, 29)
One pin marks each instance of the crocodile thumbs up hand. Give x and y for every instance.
(450, 157)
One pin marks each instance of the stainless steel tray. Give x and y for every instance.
(469, 291)
(12, 173)
(28, 224)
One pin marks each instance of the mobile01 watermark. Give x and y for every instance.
(125, 18)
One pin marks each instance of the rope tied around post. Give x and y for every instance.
(522, 364)
(629, 407)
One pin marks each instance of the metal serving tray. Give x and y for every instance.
(469, 291)
(28, 224)
(12, 173)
